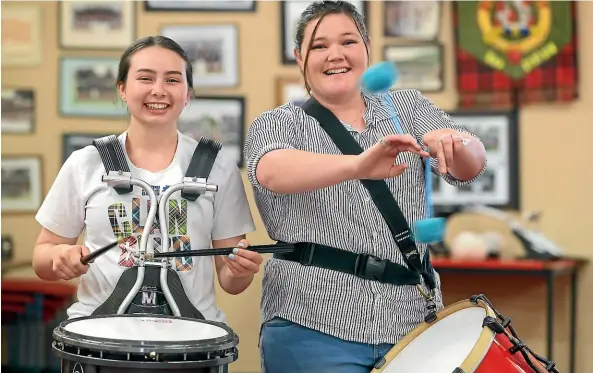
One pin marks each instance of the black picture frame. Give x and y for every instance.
(502, 162)
(26, 100)
(394, 3)
(73, 141)
(286, 54)
(194, 6)
(209, 108)
(404, 73)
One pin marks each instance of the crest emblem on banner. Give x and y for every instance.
(514, 37)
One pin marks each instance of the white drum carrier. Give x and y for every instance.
(127, 336)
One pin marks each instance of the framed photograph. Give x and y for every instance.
(200, 6)
(218, 118)
(291, 89)
(88, 87)
(76, 141)
(499, 184)
(18, 110)
(290, 12)
(106, 25)
(21, 183)
(420, 66)
(413, 20)
(21, 35)
(213, 51)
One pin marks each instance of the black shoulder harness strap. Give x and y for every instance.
(114, 159)
(378, 189)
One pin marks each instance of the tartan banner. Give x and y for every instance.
(512, 53)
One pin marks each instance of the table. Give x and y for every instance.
(549, 270)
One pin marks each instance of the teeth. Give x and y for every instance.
(157, 106)
(337, 71)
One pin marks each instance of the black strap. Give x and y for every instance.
(201, 163)
(113, 157)
(361, 265)
(378, 189)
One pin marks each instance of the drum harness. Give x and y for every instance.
(148, 277)
(364, 265)
(382, 270)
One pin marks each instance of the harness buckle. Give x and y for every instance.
(370, 267)
(307, 254)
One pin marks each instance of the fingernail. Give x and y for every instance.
(241, 244)
(235, 250)
(231, 256)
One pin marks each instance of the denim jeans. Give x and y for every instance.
(287, 347)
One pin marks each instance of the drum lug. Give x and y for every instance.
(380, 363)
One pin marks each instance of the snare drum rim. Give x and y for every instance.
(69, 338)
(477, 353)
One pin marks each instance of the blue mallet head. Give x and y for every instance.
(379, 77)
(429, 230)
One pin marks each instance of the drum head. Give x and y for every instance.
(455, 340)
(145, 328)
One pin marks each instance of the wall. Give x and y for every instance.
(554, 142)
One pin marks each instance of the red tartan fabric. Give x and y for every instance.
(480, 86)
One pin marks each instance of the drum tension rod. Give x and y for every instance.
(507, 329)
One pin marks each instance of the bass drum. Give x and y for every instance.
(457, 341)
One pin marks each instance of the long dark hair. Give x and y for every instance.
(318, 10)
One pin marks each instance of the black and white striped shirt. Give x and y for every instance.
(343, 216)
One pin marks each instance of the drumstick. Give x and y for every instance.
(262, 249)
(92, 256)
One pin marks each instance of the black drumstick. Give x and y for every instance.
(262, 249)
(92, 256)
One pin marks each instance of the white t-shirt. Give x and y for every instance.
(79, 201)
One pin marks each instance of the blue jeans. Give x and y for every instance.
(287, 347)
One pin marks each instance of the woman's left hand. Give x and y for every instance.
(242, 262)
(445, 145)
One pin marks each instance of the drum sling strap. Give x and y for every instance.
(150, 298)
(364, 265)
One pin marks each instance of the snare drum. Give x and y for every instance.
(456, 342)
(144, 343)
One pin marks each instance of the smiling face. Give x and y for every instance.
(156, 89)
(333, 57)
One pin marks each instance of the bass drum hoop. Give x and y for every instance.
(62, 336)
(477, 353)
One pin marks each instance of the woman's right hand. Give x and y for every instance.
(66, 261)
(378, 161)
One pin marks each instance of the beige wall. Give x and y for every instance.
(555, 142)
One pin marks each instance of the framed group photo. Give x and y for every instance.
(419, 66)
(291, 89)
(22, 26)
(200, 6)
(498, 186)
(88, 88)
(22, 183)
(412, 20)
(100, 25)
(213, 51)
(18, 110)
(290, 12)
(76, 141)
(220, 118)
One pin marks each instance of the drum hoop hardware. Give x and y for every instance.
(63, 336)
(229, 358)
(504, 327)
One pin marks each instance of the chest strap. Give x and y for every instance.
(365, 266)
(200, 166)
